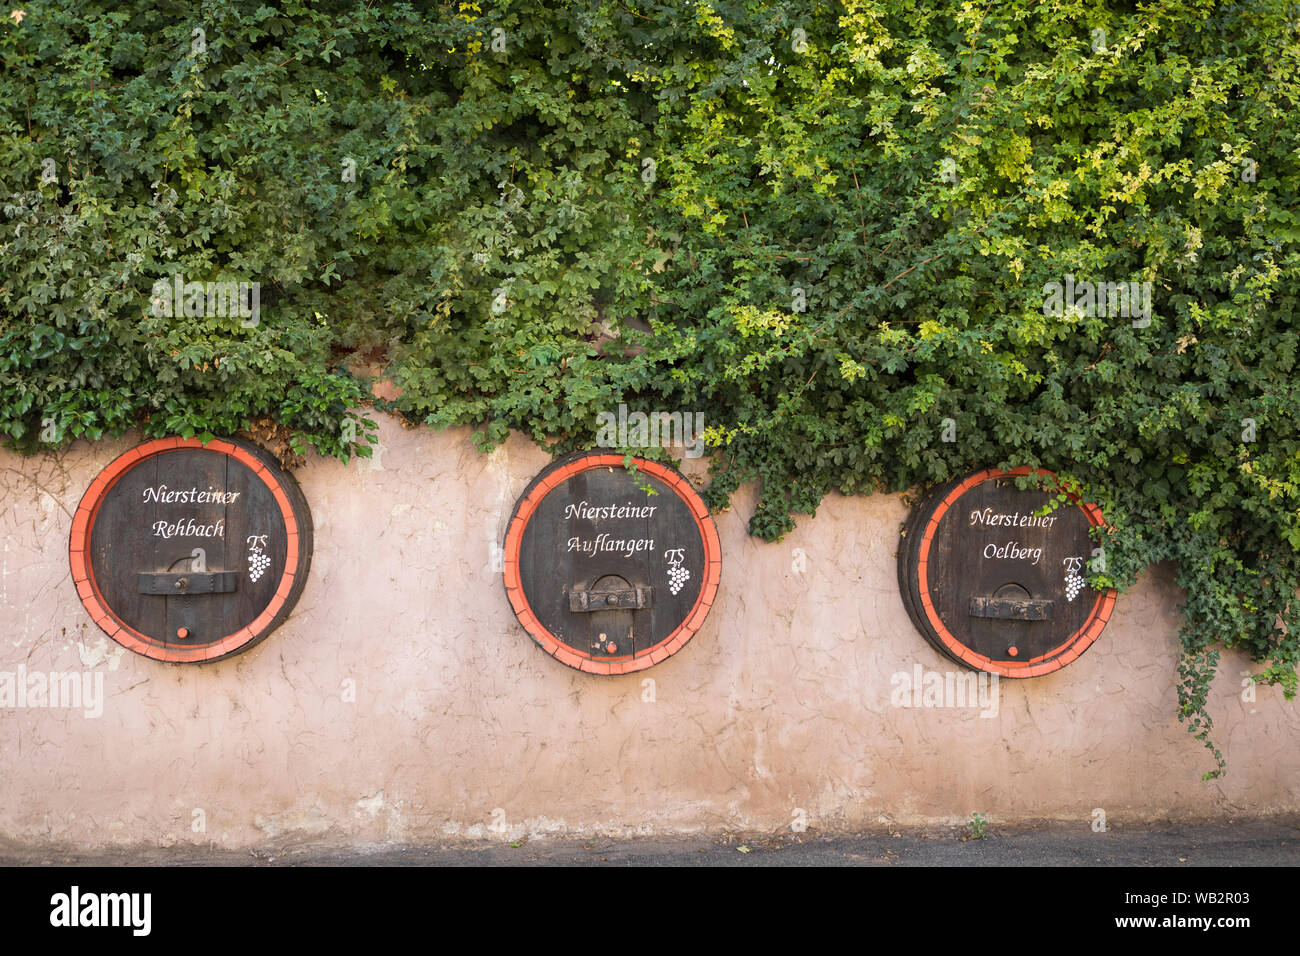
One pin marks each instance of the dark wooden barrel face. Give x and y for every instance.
(996, 586)
(606, 577)
(189, 553)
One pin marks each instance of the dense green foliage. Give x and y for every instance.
(529, 173)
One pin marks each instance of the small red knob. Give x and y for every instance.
(1012, 650)
(182, 632)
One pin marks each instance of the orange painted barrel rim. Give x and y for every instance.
(543, 485)
(1064, 653)
(83, 574)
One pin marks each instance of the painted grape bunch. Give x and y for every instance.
(677, 573)
(677, 578)
(258, 560)
(1073, 581)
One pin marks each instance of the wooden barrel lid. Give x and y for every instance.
(605, 577)
(186, 552)
(996, 587)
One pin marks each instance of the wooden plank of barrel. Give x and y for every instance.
(995, 582)
(187, 553)
(604, 576)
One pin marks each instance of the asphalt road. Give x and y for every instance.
(1272, 842)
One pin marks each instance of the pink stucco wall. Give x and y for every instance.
(784, 707)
